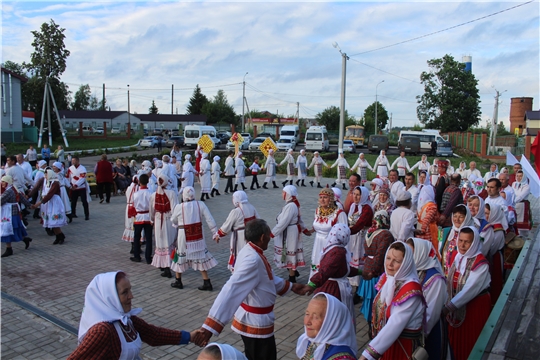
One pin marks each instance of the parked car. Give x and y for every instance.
(98, 130)
(145, 132)
(87, 130)
(175, 132)
(348, 146)
(243, 146)
(150, 141)
(286, 142)
(115, 130)
(410, 145)
(179, 140)
(132, 131)
(157, 131)
(255, 144)
(377, 143)
(445, 149)
(266, 134)
(223, 137)
(246, 136)
(216, 141)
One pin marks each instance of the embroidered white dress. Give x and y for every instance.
(216, 172)
(322, 226)
(129, 231)
(301, 165)
(164, 231)
(52, 212)
(289, 160)
(205, 176)
(317, 164)
(342, 165)
(288, 247)
(270, 167)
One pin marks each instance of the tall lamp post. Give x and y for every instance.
(376, 103)
(129, 117)
(344, 58)
(243, 102)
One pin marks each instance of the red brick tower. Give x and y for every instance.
(518, 107)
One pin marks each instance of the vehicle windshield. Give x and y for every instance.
(314, 136)
(445, 144)
(287, 133)
(354, 132)
(284, 141)
(192, 133)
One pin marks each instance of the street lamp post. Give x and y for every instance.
(129, 117)
(376, 103)
(342, 105)
(243, 102)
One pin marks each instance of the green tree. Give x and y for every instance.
(218, 110)
(329, 117)
(450, 101)
(196, 102)
(82, 97)
(369, 117)
(501, 130)
(15, 67)
(47, 60)
(95, 104)
(153, 109)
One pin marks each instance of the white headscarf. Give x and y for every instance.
(337, 193)
(188, 194)
(101, 303)
(146, 164)
(481, 215)
(425, 255)
(228, 352)
(58, 165)
(239, 198)
(204, 155)
(217, 158)
(406, 272)
(337, 329)
(497, 216)
(474, 250)
(427, 194)
(51, 176)
(271, 152)
(187, 157)
(467, 222)
(161, 187)
(290, 191)
(339, 236)
(378, 184)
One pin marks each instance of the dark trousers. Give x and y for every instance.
(229, 183)
(138, 228)
(260, 349)
(254, 181)
(402, 178)
(75, 194)
(107, 186)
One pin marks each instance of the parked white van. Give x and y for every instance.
(192, 133)
(425, 138)
(290, 130)
(317, 138)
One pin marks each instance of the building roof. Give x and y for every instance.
(532, 115)
(172, 118)
(82, 114)
(20, 77)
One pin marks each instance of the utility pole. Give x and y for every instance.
(494, 123)
(243, 101)
(390, 127)
(103, 101)
(376, 103)
(172, 99)
(344, 59)
(129, 117)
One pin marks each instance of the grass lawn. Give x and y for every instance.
(75, 144)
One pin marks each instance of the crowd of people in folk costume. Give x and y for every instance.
(421, 253)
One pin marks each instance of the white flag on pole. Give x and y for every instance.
(534, 181)
(511, 159)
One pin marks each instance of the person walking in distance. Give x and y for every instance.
(104, 178)
(255, 168)
(141, 202)
(77, 176)
(229, 172)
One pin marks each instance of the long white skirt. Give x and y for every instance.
(181, 263)
(165, 235)
(356, 247)
(53, 213)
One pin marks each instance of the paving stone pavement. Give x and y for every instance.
(54, 279)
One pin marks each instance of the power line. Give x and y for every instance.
(443, 30)
(386, 72)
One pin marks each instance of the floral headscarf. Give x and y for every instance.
(381, 221)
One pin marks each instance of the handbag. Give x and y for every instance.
(420, 353)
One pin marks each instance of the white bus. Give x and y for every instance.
(426, 138)
(192, 133)
(317, 138)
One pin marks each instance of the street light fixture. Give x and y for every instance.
(243, 101)
(342, 105)
(376, 103)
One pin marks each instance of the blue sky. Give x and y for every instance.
(286, 47)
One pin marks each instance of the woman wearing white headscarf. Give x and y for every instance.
(492, 173)
(270, 167)
(240, 169)
(422, 165)
(476, 206)
(288, 247)
(317, 163)
(450, 169)
(376, 185)
(461, 217)
(467, 187)
(235, 224)
(469, 302)
(361, 165)
(162, 202)
(462, 169)
(111, 329)
(301, 164)
(328, 331)
(360, 219)
(398, 309)
(493, 236)
(12, 227)
(334, 268)
(522, 205)
(433, 284)
(289, 160)
(216, 172)
(215, 351)
(342, 166)
(129, 218)
(52, 211)
(382, 166)
(337, 197)
(205, 177)
(428, 216)
(191, 251)
(187, 173)
(58, 168)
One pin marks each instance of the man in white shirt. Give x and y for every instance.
(141, 202)
(403, 220)
(410, 187)
(473, 170)
(21, 180)
(77, 177)
(395, 184)
(507, 189)
(25, 165)
(402, 166)
(493, 189)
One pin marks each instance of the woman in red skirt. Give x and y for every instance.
(398, 309)
(470, 302)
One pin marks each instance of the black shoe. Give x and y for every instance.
(217, 193)
(296, 273)
(311, 182)
(333, 184)
(70, 217)
(297, 182)
(149, 261)
(49, 231)
(264, 186)
(61, 238)
(344, 187)
(284, 183)
(292, 279)
(258, 187)
(177, 284)
(243, 187)
(134, 259)
(319, 186)
(131, 251)
(202, 197)
(57, 240)
(357, 299)
(226, 192)
(87, 217)
(8, 252)
(212, 193)
(167, 273)
(252, 188)
(26, 241)
(304, 185)
(275, 185)
(74, 216)
(235, 188)
(101, 201)
(290, 183)
(207, 286)
(25, 222)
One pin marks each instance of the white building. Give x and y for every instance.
(12, 129)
